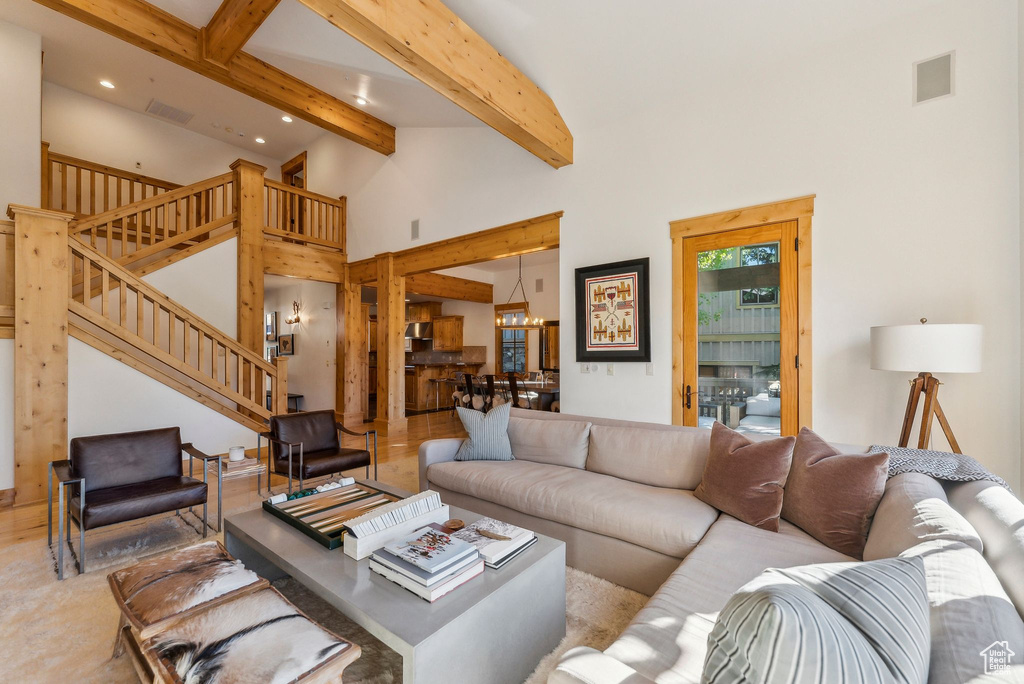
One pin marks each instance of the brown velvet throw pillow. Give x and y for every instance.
(745, 479)
(833, 496)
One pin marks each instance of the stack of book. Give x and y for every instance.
(429, 562)
(498, 542)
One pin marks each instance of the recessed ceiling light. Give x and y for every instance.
(286, 119)
(260, 140)
(106, 84)
(360, 101)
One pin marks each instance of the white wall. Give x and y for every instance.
(97, 131)
(206, 284)
(311, 370)
(105, 395)
(20, 83)
(692, 108)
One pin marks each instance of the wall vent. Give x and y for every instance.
(415, 232)
(934, 77)
(166, 111)
(539, 285)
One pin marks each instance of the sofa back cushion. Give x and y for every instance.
(562, 443)
(126, 458)
(661, 458)
(914, 509)
(316, 430)
(970, 613)
(998, 516)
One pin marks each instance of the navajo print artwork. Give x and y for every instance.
(612, 304)
(612, 312)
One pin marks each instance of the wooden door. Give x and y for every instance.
(293, 173)
(739, 336)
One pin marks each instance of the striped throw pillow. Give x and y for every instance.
(817, 624)
(488, 435)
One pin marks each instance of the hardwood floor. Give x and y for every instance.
(397, 465)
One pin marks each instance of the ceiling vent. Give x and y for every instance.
(166, 111)
(934, 78)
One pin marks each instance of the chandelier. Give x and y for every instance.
(520, 321)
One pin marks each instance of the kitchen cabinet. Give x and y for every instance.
(420, 392)
(422, 312)
(448, 333)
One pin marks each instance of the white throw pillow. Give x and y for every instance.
(819, 624)
(488, 435)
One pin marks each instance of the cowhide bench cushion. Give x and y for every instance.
(164, 588)
(258, 637)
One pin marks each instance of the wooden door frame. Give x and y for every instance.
(799, 209)
(288, 169)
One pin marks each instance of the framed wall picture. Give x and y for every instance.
(286, 344)
(271, 352)
(613, 303)
(271, 326)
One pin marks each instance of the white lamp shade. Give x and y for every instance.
(932, 348)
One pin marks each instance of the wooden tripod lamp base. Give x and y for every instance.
(928, 385)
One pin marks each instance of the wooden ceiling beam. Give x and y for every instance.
(156, 31)
(450, 287)
(429, 41)
(232, 26)
(536, 234)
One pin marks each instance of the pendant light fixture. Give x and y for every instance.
(521, 321)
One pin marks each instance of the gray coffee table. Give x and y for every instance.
(495, 628)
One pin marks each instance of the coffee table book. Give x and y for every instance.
(427, 579)
(485, 534)
(436, 591)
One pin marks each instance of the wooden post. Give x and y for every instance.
(44, 186)
(248, 190)
(390, 347)
(350, 353)
(40, 346)
(343, 227)
(279, 400)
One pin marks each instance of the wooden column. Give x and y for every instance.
(390, 347)
(279, 400)
(40, 346)
(44, 185)
(350, 353)
(248, 191)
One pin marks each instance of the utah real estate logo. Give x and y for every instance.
(997, 657)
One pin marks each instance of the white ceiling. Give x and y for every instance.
(293, 39)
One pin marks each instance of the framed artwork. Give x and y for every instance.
(271, 326)
(613, 303)
(286, 344)
(271, 352)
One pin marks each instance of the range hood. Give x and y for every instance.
(419, 331)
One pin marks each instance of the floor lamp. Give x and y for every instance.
(939, 348)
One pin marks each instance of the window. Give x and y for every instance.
(511, 346)
(759, 255)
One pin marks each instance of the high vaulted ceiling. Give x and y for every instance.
(293, 39)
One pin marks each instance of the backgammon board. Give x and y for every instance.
(323, 516)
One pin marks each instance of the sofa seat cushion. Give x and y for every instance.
(667, 640)
(670, 521)
(324, 462)
(130, 502)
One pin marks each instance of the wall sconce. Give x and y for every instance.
(294, 318)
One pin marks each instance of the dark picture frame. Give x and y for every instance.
(286, 344)
(636, 305)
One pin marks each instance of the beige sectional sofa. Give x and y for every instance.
(620, 494)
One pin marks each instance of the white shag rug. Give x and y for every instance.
(51, 630)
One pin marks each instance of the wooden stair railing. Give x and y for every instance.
(6, 279)
(133, 311)
(176, 219)
(85, 188)
(302, 216)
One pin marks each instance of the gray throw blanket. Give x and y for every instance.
(938, 464)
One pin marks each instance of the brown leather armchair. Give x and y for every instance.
(307, 445)
(121, 477)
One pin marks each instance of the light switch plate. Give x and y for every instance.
(650, 369)
(584, 368)
(611, 369)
